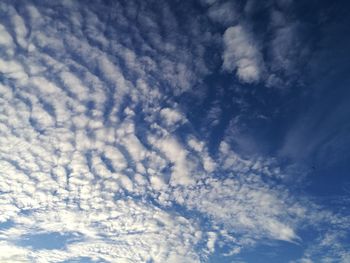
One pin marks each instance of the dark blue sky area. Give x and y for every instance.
(303, 122)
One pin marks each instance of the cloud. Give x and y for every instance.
(6, 40)
(271, 50)
(242, 54)
(211, 241)
(224, 13)
(96, 147)
(177, 155)
(11, 253)
(171, 116)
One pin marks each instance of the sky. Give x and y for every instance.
(174, 131)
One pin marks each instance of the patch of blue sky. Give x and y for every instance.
(6, 225)
(49, 241)
(84, 260)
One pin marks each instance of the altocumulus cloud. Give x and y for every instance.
(93, 147)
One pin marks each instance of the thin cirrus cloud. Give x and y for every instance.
(91, 144)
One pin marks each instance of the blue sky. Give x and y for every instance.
(174, 131)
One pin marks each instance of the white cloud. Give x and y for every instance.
(19, 28)
(12, 254)
(6, 38)
(224, 13)
(244, 208)
(171, 116)
(13, 70)
(211, 241)
(177, 155)
(242, 54)
(89, 149)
